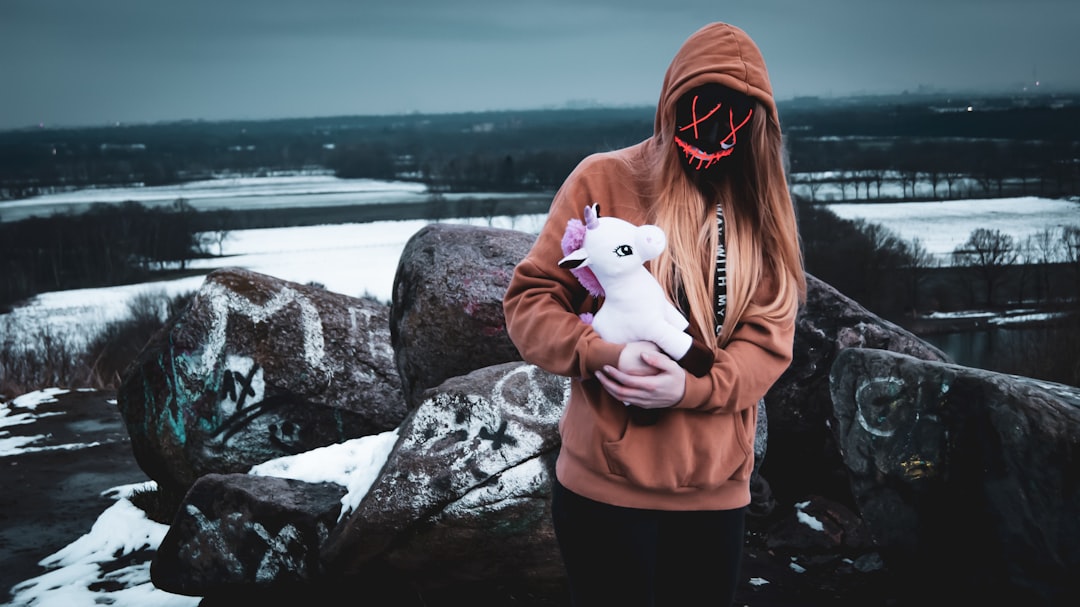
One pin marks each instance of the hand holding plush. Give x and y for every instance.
(607, 255)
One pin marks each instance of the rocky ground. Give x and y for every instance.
(52, 497)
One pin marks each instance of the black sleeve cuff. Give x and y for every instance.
(699, 359)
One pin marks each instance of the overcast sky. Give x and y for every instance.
(92, 62)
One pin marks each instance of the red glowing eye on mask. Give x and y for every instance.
(708, 119)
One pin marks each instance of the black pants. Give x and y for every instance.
(654, 558)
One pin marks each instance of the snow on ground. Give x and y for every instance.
(76, 575)
(352, 259)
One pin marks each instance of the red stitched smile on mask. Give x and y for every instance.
(727, 144)
(708, 119)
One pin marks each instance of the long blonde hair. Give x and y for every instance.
(759, 225)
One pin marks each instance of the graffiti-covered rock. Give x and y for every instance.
(243, 530)
(470, 475)
(254, 369)
(966, 478)
(803, 458)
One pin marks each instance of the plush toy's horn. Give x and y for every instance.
(592, 216)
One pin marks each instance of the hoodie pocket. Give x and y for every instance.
(685, 449)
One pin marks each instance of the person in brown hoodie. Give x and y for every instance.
(653, 473)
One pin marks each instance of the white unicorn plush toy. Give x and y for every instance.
(634, 307)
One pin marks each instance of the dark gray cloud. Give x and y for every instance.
(76, 62)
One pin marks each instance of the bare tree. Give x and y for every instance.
(1044, 248)
(215, 238)
(1025, 264)
(844, 180)
(866, 178)
(885, 255)
(934, 176)
(878, 176)
(808, 181)
(920, 261)
(909, 177)
(1071, 244)
(989, 253)
(951, 179)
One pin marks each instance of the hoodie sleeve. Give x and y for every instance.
(759, 351)
(542, 302)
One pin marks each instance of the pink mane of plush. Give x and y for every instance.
(571, 241)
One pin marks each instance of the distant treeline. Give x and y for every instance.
(108, 245)
(437, 207)
(1033, 141)
(507, 151)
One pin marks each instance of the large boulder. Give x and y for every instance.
(803, 458)
(463, 496)
(966, 478)
(239, 531)
(446, 318)
(257, 368)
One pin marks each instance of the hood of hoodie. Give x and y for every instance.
(718, 52)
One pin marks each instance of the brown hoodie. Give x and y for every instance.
(699, 454)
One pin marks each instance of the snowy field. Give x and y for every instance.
(361, 259)
(943, 226)
(239, 193)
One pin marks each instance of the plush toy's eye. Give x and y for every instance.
(623, 250)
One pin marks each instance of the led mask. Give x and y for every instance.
(707, 122)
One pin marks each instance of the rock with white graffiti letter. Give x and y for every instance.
(254, 369)
(966, 478)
